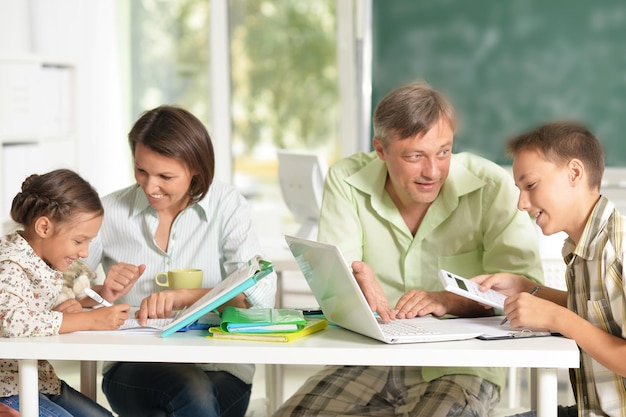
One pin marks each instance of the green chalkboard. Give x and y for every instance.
(508, 65)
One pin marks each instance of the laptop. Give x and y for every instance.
(336, 290)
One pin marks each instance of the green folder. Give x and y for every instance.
(312, 326)
(261, 320)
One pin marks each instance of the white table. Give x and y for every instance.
(333, 346)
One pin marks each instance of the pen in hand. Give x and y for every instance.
(97, 297)
(533, 292)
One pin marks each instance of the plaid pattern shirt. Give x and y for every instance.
(596, 292)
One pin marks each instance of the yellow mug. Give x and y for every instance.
(176, 279)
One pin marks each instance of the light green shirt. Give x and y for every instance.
(472, 228)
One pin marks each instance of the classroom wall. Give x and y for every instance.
(508, 65)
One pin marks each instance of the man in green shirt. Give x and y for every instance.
(401, 213)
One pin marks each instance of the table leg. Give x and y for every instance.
(29, 388)
(88, 375)
(273, 387)
(546, 392)
(533, 388)
(512, 385)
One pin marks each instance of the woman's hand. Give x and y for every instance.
(120, 279)
(161, 304)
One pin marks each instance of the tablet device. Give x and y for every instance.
(469, 289)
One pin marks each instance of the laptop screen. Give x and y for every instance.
(333, 285)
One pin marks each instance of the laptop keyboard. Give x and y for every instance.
(400, 327)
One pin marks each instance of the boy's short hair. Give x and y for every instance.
(562, 141)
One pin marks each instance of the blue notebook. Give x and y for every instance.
(236, 283)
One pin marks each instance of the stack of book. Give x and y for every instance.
(265, 324)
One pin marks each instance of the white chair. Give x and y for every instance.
(301, 176)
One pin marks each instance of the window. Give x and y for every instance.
(284, 77)
(169, 55)
(284, 83)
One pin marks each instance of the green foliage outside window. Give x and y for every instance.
(169, 55)
(284, 72)
(284, 80)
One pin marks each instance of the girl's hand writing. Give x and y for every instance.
(104, 318)
(110, 318)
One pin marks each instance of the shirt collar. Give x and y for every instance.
(461, 181)
(593, 233)
(18, 248)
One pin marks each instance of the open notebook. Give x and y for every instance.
(340, 298)
(132, 325)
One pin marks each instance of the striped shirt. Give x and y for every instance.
(596, 292)
(214, 235)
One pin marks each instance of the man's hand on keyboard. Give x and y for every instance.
(417, 303)
(372, 291)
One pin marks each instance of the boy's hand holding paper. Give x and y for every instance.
(261, 320)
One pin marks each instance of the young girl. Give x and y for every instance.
(60, 213)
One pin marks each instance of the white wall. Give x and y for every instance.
(82, 32)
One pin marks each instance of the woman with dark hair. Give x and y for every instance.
(176, 216)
